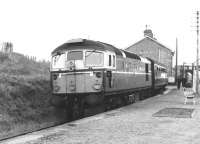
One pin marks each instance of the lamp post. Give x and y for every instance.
(176, 72)
(183, 69)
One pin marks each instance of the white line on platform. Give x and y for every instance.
(86, 120)
(94, 117)
(23, 139)
(167, 91)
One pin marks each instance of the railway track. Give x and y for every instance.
(55, 130)
(87, 114)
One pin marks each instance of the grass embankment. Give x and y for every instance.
(24, 95)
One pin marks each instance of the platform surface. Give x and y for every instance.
(133, 124)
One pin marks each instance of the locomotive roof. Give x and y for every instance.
(81, 43)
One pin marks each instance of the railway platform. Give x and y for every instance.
(162, 119)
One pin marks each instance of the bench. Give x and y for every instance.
(189, 95)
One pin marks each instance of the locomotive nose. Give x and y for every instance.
(72, 85)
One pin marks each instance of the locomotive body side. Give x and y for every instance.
(132, 73)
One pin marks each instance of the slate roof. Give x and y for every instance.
(153, 40)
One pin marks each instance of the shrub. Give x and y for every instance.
(24, 85)
(3, 57)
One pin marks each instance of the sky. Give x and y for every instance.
(36, 27)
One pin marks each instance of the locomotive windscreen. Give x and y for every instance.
(75, 55)
(93, 58)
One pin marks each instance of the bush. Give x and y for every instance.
(3, 57)
(24, 85)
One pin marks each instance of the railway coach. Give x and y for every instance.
(86, 73)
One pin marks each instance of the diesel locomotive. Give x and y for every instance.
(86, 73)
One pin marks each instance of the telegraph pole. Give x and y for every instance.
(176, 72)
(197, 66)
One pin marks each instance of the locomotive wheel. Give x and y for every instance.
(116, 103)
(107, 103)
(142, 95)
(124, 100)
(78, 108)
(137, 96)
(74, 108)
(148, 93)
(69, 109)
(75, 112)
(131, 98)
(161, 91)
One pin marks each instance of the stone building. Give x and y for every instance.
(151, 48)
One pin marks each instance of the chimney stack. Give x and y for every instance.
(148, 33)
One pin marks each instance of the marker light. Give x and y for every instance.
(56, 88)
(98, 74)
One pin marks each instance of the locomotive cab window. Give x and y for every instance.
(93, 58)
(75, 55)
(58, 61)
(113, 61)
(109, 60)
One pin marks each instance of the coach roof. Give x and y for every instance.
(82, 43)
